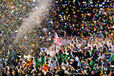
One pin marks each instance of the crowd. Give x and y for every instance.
(66, 17)
(93, 57)
(83, 17)
(85, 28)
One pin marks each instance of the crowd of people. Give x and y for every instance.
(93, 57)
(83, 17)
(84, 26)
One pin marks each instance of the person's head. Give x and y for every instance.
(13, 72)
(72, 60)
(57, 74)
(39, 74)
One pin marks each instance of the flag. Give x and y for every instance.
(57, 39)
